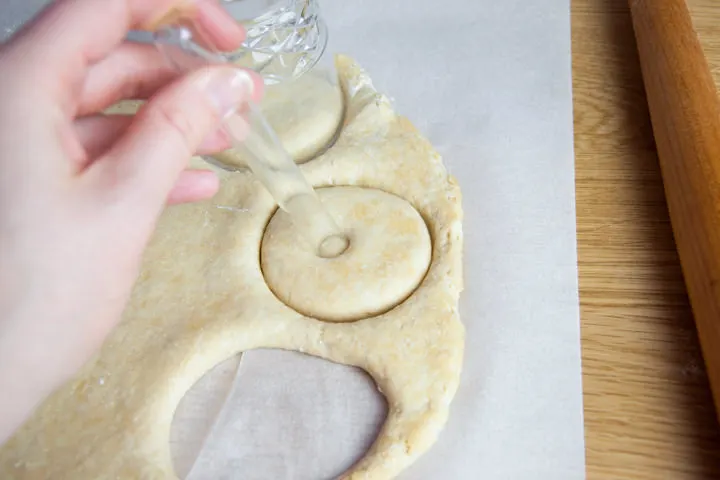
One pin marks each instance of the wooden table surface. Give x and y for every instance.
(648, 409)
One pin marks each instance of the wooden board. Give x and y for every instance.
(649, 412)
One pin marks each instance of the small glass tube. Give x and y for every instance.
(281, 176)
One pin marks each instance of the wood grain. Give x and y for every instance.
(648, 407)
(685, 113)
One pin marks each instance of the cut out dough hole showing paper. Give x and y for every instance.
(196, 414)
(305, 418)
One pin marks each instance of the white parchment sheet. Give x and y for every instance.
(489, 83)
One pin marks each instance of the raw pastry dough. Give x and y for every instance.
(388, 256)
(201, 298)
(305, 113)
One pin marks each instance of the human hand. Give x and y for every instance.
(80, 192)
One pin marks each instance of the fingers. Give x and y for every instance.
(131, 71)
(83, 31)
(71, 35)
(212, 24)
(166, 132)
(218, 28)
(97, 133)
(193, 186)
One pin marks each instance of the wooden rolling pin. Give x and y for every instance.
(685, 113)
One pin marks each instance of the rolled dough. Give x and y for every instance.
(201, 298)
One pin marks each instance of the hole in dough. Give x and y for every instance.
(333, 246)
(389, 254)
(291, 415)
(306, 114)
(196, 413)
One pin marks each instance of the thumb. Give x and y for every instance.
(147, 160)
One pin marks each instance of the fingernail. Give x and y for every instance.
(228, 89)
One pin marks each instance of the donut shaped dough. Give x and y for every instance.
(388, 256)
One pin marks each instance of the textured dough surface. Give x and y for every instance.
(201, 298)
(388, 256)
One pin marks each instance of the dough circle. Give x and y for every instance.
(389, 254)
(305, 113)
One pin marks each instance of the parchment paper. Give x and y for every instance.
(489, 83)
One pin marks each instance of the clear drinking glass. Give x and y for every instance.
(285, 39)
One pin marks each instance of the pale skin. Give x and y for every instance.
(80, 192)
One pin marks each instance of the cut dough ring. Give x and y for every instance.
(388, 257)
